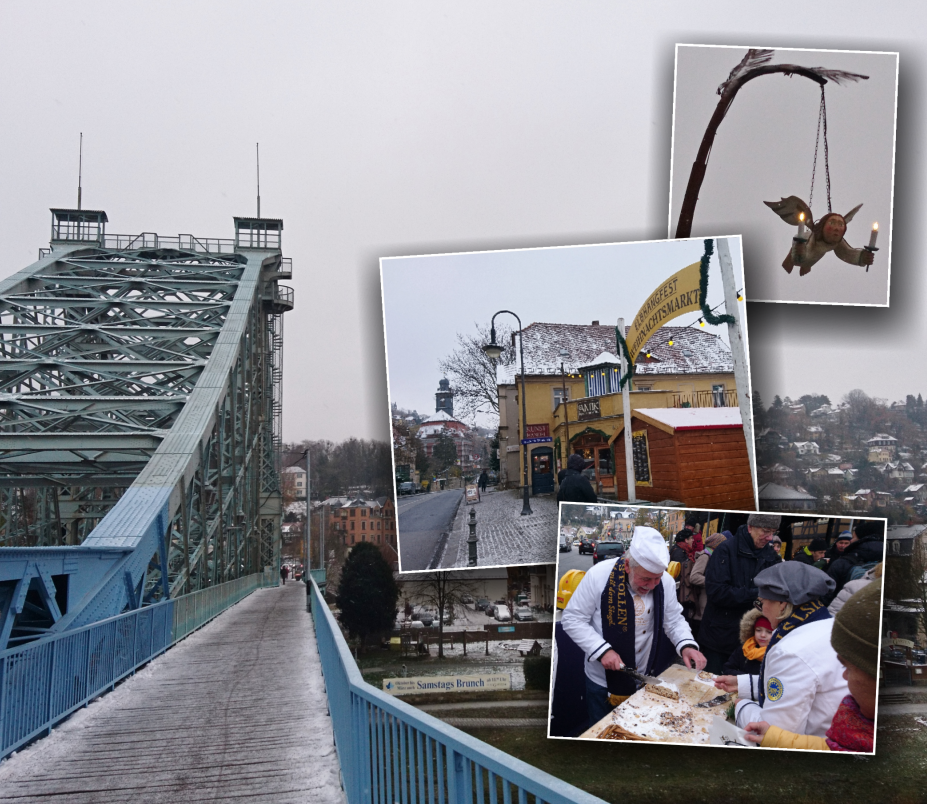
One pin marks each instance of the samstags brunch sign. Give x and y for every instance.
(414, 686)
(677, 295)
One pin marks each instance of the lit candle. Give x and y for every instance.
(801, 225)
(874, 235)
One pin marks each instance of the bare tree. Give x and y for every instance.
(441, 591)
(473, 375)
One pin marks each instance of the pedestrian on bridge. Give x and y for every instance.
(284, 573)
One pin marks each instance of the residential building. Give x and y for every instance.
(353, 520)
(678, 367)
(806, 448)
(294, 481)
(774, 497)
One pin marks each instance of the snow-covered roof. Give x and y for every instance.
(294, 470)
(440, 416)
(773, 491)
(692, 418)
(587, 343)
(605, 357)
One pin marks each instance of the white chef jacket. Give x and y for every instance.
(804, 683)
(582, 620)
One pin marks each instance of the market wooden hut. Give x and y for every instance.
(697, 456)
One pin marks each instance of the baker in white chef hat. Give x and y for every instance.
(647, 560)
(625, 612)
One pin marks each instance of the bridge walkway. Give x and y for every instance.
(235, 712)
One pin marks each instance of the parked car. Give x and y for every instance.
(523, 613)
(466, 598)
(424, 616)
(604, 550)
(481, 603)
(565, 544)
(502, 613)
(408, 487)
(586, 546)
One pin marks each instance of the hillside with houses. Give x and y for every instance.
(860, 455)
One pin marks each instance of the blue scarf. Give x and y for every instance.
(809, 612)
(618, 630)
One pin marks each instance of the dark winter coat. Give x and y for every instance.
(738, 664)
(867, 550)
(730, 589)
(576, 488)
(678, 554)
(804, 556)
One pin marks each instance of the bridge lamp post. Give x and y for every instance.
(564, 354)
(494, 352)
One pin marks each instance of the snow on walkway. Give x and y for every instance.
(235, 712)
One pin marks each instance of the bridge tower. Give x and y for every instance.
(140, 412)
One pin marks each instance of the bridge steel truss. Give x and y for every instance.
(139, 419)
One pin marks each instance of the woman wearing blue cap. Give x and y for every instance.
(800, 684)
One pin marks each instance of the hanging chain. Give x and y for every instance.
(822, 124)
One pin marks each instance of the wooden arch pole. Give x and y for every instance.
(728, 91)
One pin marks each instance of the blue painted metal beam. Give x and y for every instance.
(139, 414)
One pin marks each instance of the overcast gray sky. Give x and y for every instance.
(418, 127)
(428, 300)
(764, 150)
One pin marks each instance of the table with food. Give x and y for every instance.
(666, 711)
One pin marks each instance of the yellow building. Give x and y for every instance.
(686, 367)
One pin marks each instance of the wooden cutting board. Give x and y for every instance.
(691, 690)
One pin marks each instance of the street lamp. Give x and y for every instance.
(494, 352)
(564, 354)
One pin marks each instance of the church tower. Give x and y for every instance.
(444, 399)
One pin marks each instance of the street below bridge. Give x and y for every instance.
(422, 520)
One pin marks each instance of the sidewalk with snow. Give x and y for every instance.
(237, 711)
(506, 538)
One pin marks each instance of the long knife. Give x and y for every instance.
(721, 699)
(641, 677)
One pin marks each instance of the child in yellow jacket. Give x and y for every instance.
(855, 638)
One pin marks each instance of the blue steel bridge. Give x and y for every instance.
(139, 415)
(140, 409)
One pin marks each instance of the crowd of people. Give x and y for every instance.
(797, 640)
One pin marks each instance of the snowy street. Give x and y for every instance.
(506, 538)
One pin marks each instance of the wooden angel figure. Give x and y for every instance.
(826, 235)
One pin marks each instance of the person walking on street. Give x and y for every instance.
(575, 487)
(284, 573)
(484, 479)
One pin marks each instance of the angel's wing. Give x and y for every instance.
(789, 208)
(849, 216)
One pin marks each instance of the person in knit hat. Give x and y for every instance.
(862, 554)
(855, 638)
(755, 631)
(730, 587)
(811, 553)
(800, 683)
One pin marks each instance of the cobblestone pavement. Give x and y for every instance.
(505, 537)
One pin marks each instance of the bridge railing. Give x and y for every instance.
(389, 751)
(42, 682)
(198, 608)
